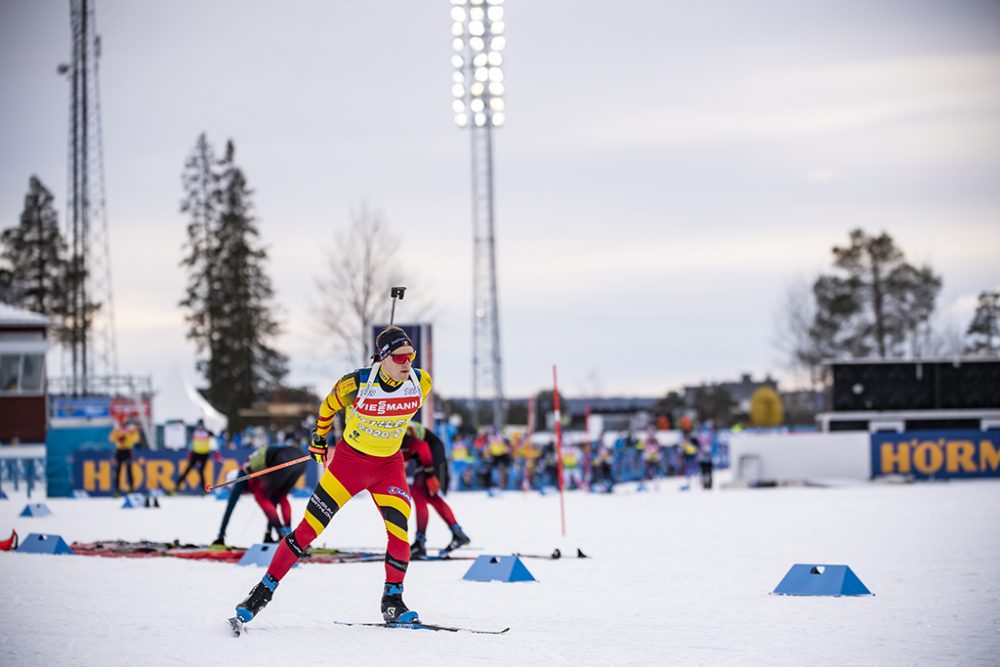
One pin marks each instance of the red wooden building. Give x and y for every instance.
(23, 345)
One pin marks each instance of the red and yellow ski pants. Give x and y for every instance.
(349, 473)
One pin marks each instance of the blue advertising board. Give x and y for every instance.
(89, 408)
(61, 445)
(936, 454)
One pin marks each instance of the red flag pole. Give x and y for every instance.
(559, 457)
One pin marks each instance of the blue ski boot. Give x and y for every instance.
(259, 596)
(394, 610)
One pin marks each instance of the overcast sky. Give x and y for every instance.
(667, 168)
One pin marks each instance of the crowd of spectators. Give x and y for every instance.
(259, 436)
(515, 462)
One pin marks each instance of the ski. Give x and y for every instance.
(444, 556)
(450, 555)
(446, 552)
(464, 547)
(212, 552)
(555, 555)
(425, 626)
(236, 625)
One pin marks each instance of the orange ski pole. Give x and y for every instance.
(209, 487)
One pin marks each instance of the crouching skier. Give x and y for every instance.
(270, 491)
(380, 401)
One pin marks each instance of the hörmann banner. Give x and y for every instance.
(936, 454)
(93, 471)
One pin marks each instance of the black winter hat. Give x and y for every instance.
(391, 338)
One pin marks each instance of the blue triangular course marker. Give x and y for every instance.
(222, 494)
(39, 543)
(301, 492)
(36, 509)
(259, 554)
(815, 579)
(3, 496)
(133, 500)
(498, 568)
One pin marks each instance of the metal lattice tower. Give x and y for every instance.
(91, 345)
(477, 87)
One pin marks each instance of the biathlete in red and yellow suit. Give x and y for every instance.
(427, 489)
(126, 437)
(379, 401)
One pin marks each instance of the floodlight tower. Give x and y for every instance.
(478, 41)
(91, 334)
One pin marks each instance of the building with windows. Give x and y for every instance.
(741, 391)
(23, 344)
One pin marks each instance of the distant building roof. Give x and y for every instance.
(622, 404)
(16, 317)
(740, 391)
(966, 358)
(612, 404)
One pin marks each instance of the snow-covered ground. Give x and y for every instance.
(675, 578)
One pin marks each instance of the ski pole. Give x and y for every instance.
(209, 487)
(393, 293)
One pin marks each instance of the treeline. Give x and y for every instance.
(228, 300)
(872, 303)
(876, 304)
(38, 272)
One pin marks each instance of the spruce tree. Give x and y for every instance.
(34, 254)
(201, 203)
(984, 330)
(875, 304)
(228, 297)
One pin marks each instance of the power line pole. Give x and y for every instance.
(91, 341)
(91, 344)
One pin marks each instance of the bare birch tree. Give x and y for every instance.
(792, 338)
(353, 290)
